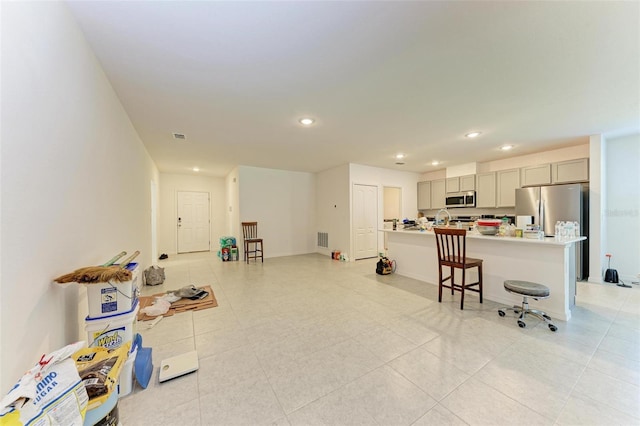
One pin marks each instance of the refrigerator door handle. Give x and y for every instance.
(542, 217)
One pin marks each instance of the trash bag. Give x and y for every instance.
(187, 291)
(154, 275)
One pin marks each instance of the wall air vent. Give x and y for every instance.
(323, 239)
(179, 136)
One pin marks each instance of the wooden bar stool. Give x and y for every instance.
(452, 253)
(250, 236)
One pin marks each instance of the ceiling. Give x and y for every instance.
(379, 78)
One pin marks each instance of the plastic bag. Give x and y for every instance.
(50, 394)
(99, 369)
(187, 291)
(159, 307)
(154, 275)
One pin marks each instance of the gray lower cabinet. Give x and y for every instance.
(486, 190)
(438, 194)
(424, 195)
(508, 182)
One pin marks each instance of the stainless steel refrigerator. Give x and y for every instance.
(549, 204)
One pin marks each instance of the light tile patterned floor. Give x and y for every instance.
(304, 340)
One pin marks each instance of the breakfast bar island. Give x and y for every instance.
(547, 261)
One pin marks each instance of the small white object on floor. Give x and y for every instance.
(178, 365)
(149, 324)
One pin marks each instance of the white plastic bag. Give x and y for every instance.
(159, 307)
(50, 394)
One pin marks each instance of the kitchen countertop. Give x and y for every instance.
(470, 234)
(548, 261)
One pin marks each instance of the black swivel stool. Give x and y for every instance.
(527, 289)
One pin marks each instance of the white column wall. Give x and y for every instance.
(170, 184)
(334, 208)
(597, 202)
(622, 208)
(75, 180)
(233, 204)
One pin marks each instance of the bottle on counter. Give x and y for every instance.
(569, 231)
(504, 227)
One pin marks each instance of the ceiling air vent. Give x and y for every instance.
(179, 136)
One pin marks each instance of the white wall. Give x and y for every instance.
(407, 181)
(333, 208)
(283, 203)
(75, 180)
(622, 209)
(392, 199)
(170, 184)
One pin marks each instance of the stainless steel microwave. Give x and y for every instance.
(461, 199)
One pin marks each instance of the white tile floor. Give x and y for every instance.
(304, 340)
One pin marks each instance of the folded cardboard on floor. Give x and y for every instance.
(181, 305)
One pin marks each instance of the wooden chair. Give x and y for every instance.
(452, 253)
(250, 236)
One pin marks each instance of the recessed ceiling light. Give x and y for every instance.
(306, 121)
(473, 134)
(196, 169)
(399, 156)
(506, 147)
(435, 162)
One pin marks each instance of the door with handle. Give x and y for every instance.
(193, 221)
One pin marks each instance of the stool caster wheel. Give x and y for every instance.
(501, 313)
(521, 324)
(553, 328)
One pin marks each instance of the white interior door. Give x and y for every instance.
(365, 221)
(193, 221)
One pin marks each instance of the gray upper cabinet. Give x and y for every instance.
(508, 182)
(468, 183)
(424, 195)
(453, 185)
(438, 194)
(461, 184)
(486, 190)
(570, 171)
(536, 175)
